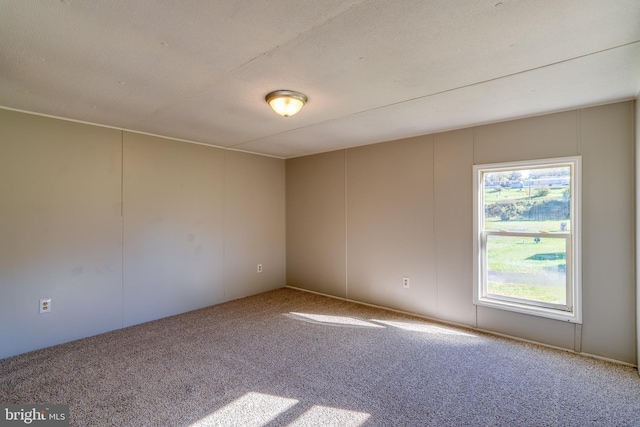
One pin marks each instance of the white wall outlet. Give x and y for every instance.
(259, 269)
(45, 305)
(405, 282)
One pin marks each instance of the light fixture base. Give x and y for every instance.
(286, 102)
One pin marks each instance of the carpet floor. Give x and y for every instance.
(291, 358)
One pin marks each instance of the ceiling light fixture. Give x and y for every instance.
(286, 102)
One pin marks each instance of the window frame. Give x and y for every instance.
(572, 311)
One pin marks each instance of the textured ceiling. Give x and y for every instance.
(374, 70)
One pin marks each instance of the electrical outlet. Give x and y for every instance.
(405, 282)
(45, 305)
(259, 268)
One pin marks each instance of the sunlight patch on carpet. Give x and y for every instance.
(420, 327)
(332, 320)
(251, 410)
(327, 416)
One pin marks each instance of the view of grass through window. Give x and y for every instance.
(529, 267)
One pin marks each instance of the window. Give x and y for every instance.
(527, 245)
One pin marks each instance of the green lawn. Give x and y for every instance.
(525, 267)
(523, 255)
(551, 294)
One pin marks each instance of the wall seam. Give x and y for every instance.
(578, 132)
(634, 195)
(346, 234)
(224, 222)
(122, 228)
(577, 328)
(473, 178)
(286, 231)
(435, 225)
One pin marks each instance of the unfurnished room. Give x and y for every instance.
(319, 213)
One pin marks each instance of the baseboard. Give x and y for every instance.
(468, 327)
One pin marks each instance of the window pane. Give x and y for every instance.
(527, 268)
(527, 255)
(534, 199)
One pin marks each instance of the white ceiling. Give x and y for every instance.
(374, 70)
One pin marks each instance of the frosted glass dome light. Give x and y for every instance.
(286, 102)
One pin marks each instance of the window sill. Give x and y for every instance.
(549, 313)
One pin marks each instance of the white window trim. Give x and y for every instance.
(574, 315)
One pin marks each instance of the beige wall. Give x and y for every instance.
(408, 212)
(384, 225)
(195, 222)
(637, 223)
(608, 231)
(453, 164)
(316, 247)
(173, 227)
(198, 219)
(60, 231)
(254, 224)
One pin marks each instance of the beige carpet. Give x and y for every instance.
(290, 358)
